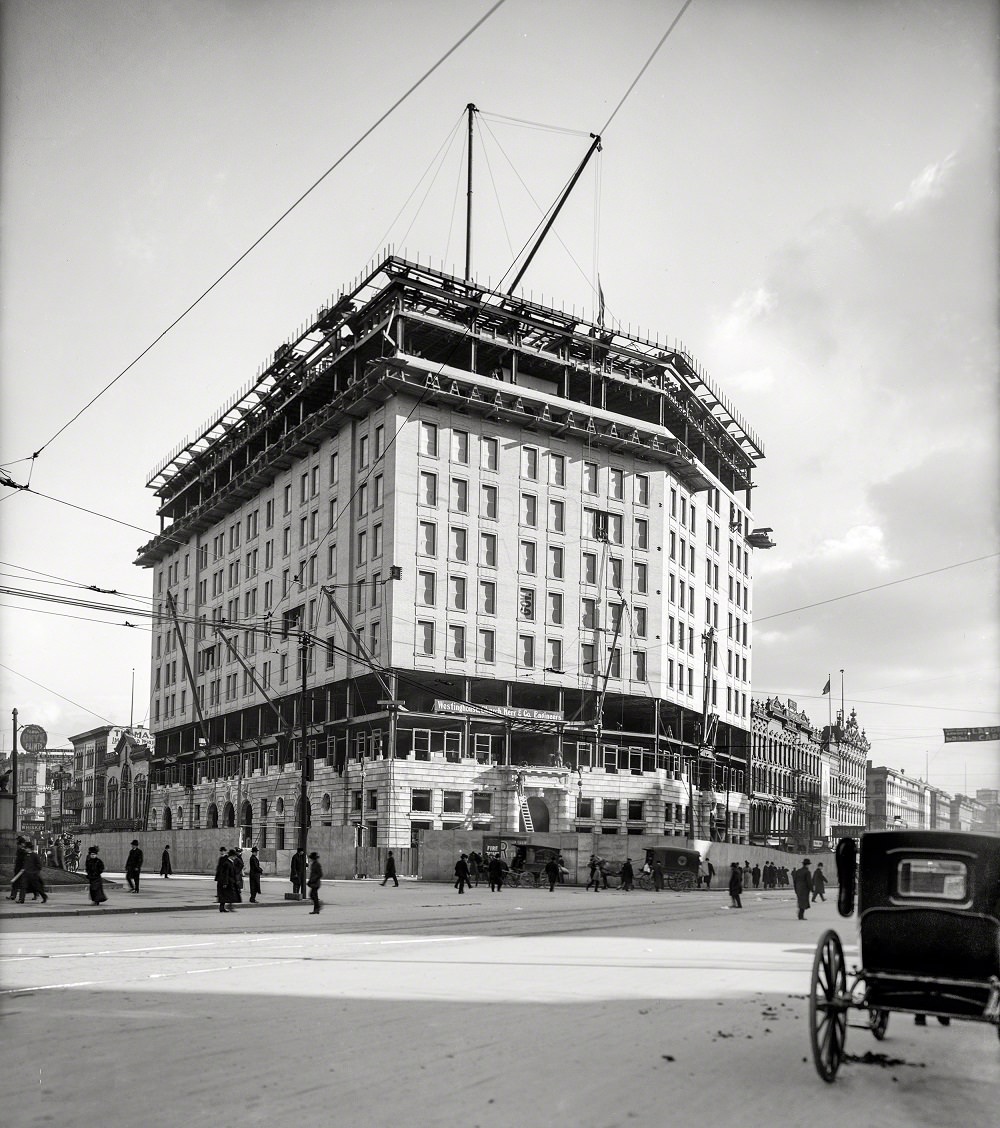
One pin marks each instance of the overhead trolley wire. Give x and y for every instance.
(284, 215)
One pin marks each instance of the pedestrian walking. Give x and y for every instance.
(475, 862)
(462, 873)
(494, 870)
(819, 883)
(256, 869)
(166, 869)
(709, 873)
(755, 875)
(552, 873)
(297, 873)
(735, 885)
(627, 875)
(594, 874)
(802, 884)
(133, 866)
(19, 854)
(225, 881)
(562, 868)
(94, 867)
(657, 875)
(31, 877)
(390, 871)
(314, 882)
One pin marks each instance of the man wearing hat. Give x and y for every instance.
(314, 882)
(802, 884)
(133, 866)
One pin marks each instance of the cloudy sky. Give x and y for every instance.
(803, 192)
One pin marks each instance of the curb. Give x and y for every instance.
(10, 914)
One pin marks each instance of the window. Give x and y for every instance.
(589, 568)
(525, 651)
(429, 439)
(590, 477)
(584, 808)
(616, 484)
(456, 641)
(615, 573)
(420, 799)
(427, 538)
(456, 593)
(377, 487)
(636, 812)
(362, 550)
(615, 663)
(555, 562)
(334, 469)
(427, 490)
(555, 609)
(526, 604)
(641, 578)
(482, 802)
(526, 557)
(426, 589)
(932, 879)
(614, 527)
(490, 459)
(639, 622)
(459, 495)
(641, 533)
(588, 608)
(641, 489)
(458, 548)
(331, 560)
(553, 654)
(609, 809)
(487, 597)
(487, 646)
(639, 665)
(557, 470)
(557, 517)
(488, 550)
(451, 802)
(460, 447)
(488, 502)
(529, 510)
(529, 463)
(425, 637)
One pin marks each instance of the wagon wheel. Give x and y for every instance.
(878, 1020)
(644, 881)
(680, 882)
(828, 1006)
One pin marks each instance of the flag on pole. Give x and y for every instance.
(600, 303)
(826, 688)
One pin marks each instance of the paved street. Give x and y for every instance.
(415, 1005)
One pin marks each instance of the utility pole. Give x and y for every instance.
(13, 772)
(304, 643)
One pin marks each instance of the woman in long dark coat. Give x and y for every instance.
(166, 869)
(95, 867)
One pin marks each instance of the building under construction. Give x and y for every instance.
(482, 563)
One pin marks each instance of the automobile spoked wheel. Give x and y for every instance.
(878, 1020)
(828, 1005)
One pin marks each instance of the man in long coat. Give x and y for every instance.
(133, 866)
(256, 869)
(802, 884)
(297, 873)
(19, 855)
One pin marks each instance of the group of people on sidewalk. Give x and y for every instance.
(806, 883)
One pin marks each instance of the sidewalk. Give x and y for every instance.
(178, 893)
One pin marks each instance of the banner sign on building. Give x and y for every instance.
(496, 712)
(963, 735)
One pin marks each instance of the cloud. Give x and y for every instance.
(929, 184)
